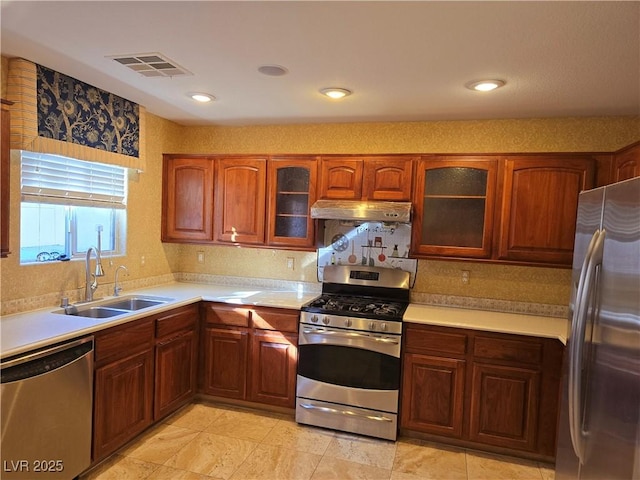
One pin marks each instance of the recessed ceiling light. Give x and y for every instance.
(201, 97)
(485, 85)
(335, 93)
(273, 70)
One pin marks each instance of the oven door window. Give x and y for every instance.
(349, 367)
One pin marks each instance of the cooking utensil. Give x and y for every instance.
(371, 261)
(352, 258)
(382, 257)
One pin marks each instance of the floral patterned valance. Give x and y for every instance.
(57, 114)
(71, 110)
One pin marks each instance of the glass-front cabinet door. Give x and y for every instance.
(454, 199)
(292, 191)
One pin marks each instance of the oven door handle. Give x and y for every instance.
(350, 413)
(322, 331)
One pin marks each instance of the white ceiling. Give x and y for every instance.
(404, 61)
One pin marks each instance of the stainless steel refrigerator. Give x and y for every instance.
(599, 431)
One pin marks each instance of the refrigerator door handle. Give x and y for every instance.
(586, 284)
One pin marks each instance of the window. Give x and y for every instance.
(69, 205)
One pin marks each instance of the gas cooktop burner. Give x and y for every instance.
(357, 306)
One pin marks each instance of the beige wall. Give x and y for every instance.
(527, 284)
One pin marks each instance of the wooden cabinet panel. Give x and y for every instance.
(504, 406)
(240, 200)
(366, 178)
(539, 207)
(123, 340)
(422, 339)
(5, 170)
(176, 359)
(387, 178)
(341, 178)
(626, 163)
(274, 357)
(454, 199)
(187, 199)
(225, 361)
(123, 399)
(223, 314)
(433, 394)
(175, 376)
(292, 190)
(520, 351)
(280, 319)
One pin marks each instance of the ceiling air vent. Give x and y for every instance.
(151, 65)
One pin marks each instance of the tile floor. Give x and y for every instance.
(209, 442)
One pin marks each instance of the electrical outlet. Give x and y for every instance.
(142, 261)
(201, 257)
(465, 277)
(291, 263)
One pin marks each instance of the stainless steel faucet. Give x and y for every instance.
(91, 279)
(116, 288)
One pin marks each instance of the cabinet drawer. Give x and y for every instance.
(509, 350)
(422, 339)
(275, 319)
(122, 341)
(227, 315)
(176, 321)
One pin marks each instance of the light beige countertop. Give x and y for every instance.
(514, 323)
(22, 332)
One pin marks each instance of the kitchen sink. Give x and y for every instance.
(93, 312)
(114, 306)
(134, 303)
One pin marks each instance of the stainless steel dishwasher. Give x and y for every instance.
(46, 409)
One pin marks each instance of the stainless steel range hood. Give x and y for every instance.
(377, 211)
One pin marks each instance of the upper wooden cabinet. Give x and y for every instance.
(454, 202)
(539, 207)
(518, 209)
(366, 178)
(291, 192)
(240, 199)
(187, 199)
(5, 184)
(626, 163)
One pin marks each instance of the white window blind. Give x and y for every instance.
(62, 180)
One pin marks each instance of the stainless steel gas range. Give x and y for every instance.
(349, 351)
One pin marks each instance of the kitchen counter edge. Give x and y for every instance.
(490, 321)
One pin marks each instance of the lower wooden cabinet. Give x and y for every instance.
(176, 359)
(123, 386)
(433, 399)
(274, 359)
(480, 389)
(225, 361)
(250, 354)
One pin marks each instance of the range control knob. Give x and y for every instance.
(348, 322)
(372, 326)
(383, 326)
(326, 320)
(314, 318)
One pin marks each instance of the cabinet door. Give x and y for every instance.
(240, 200)
(504, 406)
(626, 163)
(454, 199)
(433, 394)
(292, 191)
(539, 207)
(122, 402)
(187, 199)
(175, 375)
(387, 178)
(274, 356)
(5, 183)
(341, 178)
(225, 356)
